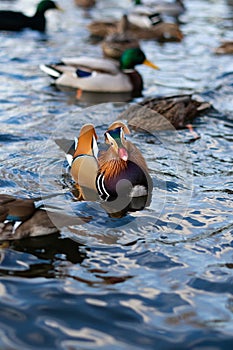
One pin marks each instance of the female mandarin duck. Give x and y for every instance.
(16, 21)
(123, 174)
(100, 74)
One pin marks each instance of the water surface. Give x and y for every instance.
(157, 278)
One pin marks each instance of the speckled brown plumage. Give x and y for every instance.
(161, 113)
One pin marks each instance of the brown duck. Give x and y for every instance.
(161, 31)
(162, 113)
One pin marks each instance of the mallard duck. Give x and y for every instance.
(16, 21)
(161, 31)
(123, 175)
(115, 44)
(85, 3)
(173, 9)
(24, 217)
(225, 48)
(99, 74)
(161, 113)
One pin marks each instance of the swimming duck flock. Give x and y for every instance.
(116, 175)
(118, 172)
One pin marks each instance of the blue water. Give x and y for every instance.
(160, 278)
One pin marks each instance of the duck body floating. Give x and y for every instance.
(225, 48)
(85, 3)
(27, 217)
(100, 74)
(17, 21)
(118, 177)
(164, 112)
(171, 9)
(82, 159)
(160, 31)
(115, 44)
(123, 179)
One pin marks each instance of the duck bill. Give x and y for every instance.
(123, 154)
(59, 8)
(150, 64)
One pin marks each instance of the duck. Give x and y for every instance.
(82, 157)
(160, 31)
(225, 48)
(164, 112)
(17, 21)
(100, 74)
(115, 44)
(21, 217)
(171, 9)
(27, 217)
(85, 3)
(123, 176)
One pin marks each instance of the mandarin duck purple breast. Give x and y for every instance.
(123, 174)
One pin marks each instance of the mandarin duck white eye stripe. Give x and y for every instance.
(122, 171)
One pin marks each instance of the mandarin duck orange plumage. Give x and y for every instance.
(83, 162)
(123, 175)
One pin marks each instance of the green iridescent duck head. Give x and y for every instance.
(133, 57)
(45, 5)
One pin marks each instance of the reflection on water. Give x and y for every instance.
(159, 277)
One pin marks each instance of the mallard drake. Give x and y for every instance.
(225, 48)
(16, 21)
(115, 44)
(85, 3)
(24, 217)
(123, 174)
(172, 9)
(165, 112)
(100, 74)
(160, 31)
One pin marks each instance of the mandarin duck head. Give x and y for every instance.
(115, 137)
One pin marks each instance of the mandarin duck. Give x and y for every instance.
(24, 217)
(123, 178)
(160, 31)
(16, 21)
(82, 159)
(166, 112)
(101, 74)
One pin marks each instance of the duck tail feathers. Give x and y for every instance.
(50, 70)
